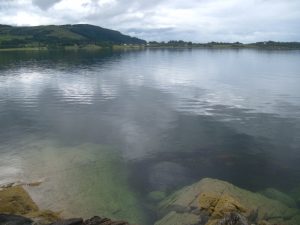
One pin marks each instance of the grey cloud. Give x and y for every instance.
(195, 20)
(157, 34)
(162, 34)
(45, 4)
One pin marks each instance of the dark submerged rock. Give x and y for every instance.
(6, 219)
(96, 220)
(74, 221)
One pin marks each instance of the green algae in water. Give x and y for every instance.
(83, 180)
(107, 189)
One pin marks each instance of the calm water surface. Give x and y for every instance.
(105, 130)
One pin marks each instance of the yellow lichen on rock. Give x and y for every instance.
(219, 205)
(15, 200)
(227, 204)
(208, 201)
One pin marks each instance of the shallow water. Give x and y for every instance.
(104, 130)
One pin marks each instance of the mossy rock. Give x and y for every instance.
(208, 201)
(252, 205)
(219, 205)
(15, 200)
(44, 216)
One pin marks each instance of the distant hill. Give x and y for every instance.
(63, 35)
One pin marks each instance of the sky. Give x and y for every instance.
(162, 20)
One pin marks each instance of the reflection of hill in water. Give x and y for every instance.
(53, 59)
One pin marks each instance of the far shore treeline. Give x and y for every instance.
(93, 37)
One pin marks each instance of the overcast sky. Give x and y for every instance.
(190, 20)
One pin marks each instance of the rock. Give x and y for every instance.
(263, 222)
(74, 221)
(15, 200)
(21, 183)
(174, 218)
(96, 220)
(19, 209)
(233, 219)
(8, 185)
(219, 205)
(219, 199)
(6, 219)
(34, 183)
(272, 193)
(295, 220)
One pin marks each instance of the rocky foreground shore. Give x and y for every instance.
(17, 208)
(207, 202)
(6, 219)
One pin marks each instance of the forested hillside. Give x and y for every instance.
(64, 35)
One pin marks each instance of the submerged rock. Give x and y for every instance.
(74, 221)
(176, 218)
(96, 220)
(277, 195)
(7, 219)
(14, 220)
(225, 202)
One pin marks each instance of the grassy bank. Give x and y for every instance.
(23, 49)
(77, 48)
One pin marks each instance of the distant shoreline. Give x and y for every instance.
(267, 45)
(141, 47)
(223, 47)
